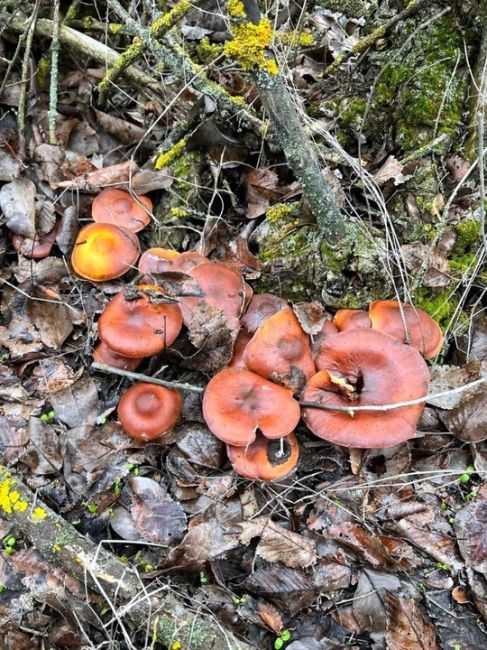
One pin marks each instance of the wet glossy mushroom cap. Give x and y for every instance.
(35, 249)
(103, 354)
(157, 260)
(104, 252)
(237, 403)
(407, 324)
(122, 209)
(351, 319)
(261, 307)
(263, 459)
(221, 288)
(237, 360)
(140, 324)
(279, 348)
(147, 411)
(370, 369)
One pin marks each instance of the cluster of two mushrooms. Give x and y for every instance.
(372, 359)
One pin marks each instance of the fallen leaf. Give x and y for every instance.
(471, 532)
(214, 339)
(392, 169)
(17, 202)
(407, 628)
(311, 316)
(437, 272)
(78, 403)
(118, 175)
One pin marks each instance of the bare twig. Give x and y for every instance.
(52, 112)
(137, 376)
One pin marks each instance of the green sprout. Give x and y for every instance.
(9, 544)
(465, 477)
(240, 601)
(203, 578)
(47, 417)
(284, 637)
(91, 507)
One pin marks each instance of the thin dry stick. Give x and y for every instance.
(52, 112)
(24, 79)
(351, 410)
(137, 376)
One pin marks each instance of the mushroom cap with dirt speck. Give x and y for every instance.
(237, 403)
(408, 324)
(103, 251)
(263, 460)
(123, 209)
(141, 323)
(147, 411)
(365, 369)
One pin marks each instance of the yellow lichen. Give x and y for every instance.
(303, 39)
(56, 547)
(43, 69)
(249, 44)
(276, 212)
(169, 19)
(207, 51)
(236, 9)
(39, 513)
(10, 500)
(167, 158)
(179, 213)
(115, 28)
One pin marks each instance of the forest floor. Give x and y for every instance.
(356, 548)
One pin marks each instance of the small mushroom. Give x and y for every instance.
(122, 209)
(147, 411)
(280, 350)
(370, 369)
(351, 319)
(237, 403)
(264, 459)
(103, 251)
(35, 249)
(141, 324)
(408, 324)
(103, 354)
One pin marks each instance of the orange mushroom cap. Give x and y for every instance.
(35, 249)
(261, 307)
(221, 287)
(122, 209)
(103, 251)
(351, 319)
(157, 260)
(147, 411)
(262, 459)
(237, 360)
(103, 354)
(278, 348)
(408, 324)
(328, 329)
(237, 402)
(369, 369)
(140, 325)
(188, 261)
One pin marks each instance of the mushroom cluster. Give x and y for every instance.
(280, 370)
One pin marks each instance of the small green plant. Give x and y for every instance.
(47, 417)
(133, 469)
(281, 640)
(91, 507)
(2, 588)
(466, 476)
(203, 578)
(9, 544)
(443, 566)
(240, 601)
(117, 488)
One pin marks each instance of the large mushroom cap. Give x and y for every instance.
(147, 411)
(103, 354)
(187, 261)
(351, 319)
(120, 208)
(221, 288)
(279, 348)
(363, 370)
(237, 402)
(267, 460)
(261, 307)
(407, 324)
(103, 251)
(140, 325)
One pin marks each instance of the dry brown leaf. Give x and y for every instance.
(210, 333)
(270, 616)
(446, 378)
(437, 274)
(311, 316)
(17, 202)
(407, 628)
(118, 175)
(78, 403)
(471, 531)
(391, 170)
(277, 544)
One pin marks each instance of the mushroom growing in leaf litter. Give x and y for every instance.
(147, 411)
(264, 459)
(351, 319)
(141, 324)
(237, 403)
(103, 354)
(372, 369)
(103, 251)
(122, 209)
(157, 260)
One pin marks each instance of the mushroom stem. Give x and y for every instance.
(389, 407)
(103, 367)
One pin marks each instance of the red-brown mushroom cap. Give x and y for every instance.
(351, 319)
(237, 360)
(261, 307)
(104, 252)
(279, 348)
(262, 459)
(140, 325)
(147, 411)
(188, 261)
(122, 209)
(363, 370)
(407, 324)
(328, 329)
(237, 402)
(221, 288)
(103, 354)
(157, 260)
(35, 249)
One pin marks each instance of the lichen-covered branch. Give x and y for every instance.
(65, 548)
(52, 112)
(250, 41)
(475, 104)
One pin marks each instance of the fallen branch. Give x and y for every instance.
(64, 547)
(137, 376)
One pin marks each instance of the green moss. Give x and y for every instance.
(468, 233)
(207, 51)
(440, 305)
(352, 111)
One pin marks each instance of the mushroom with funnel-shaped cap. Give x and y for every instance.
(264, 459)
